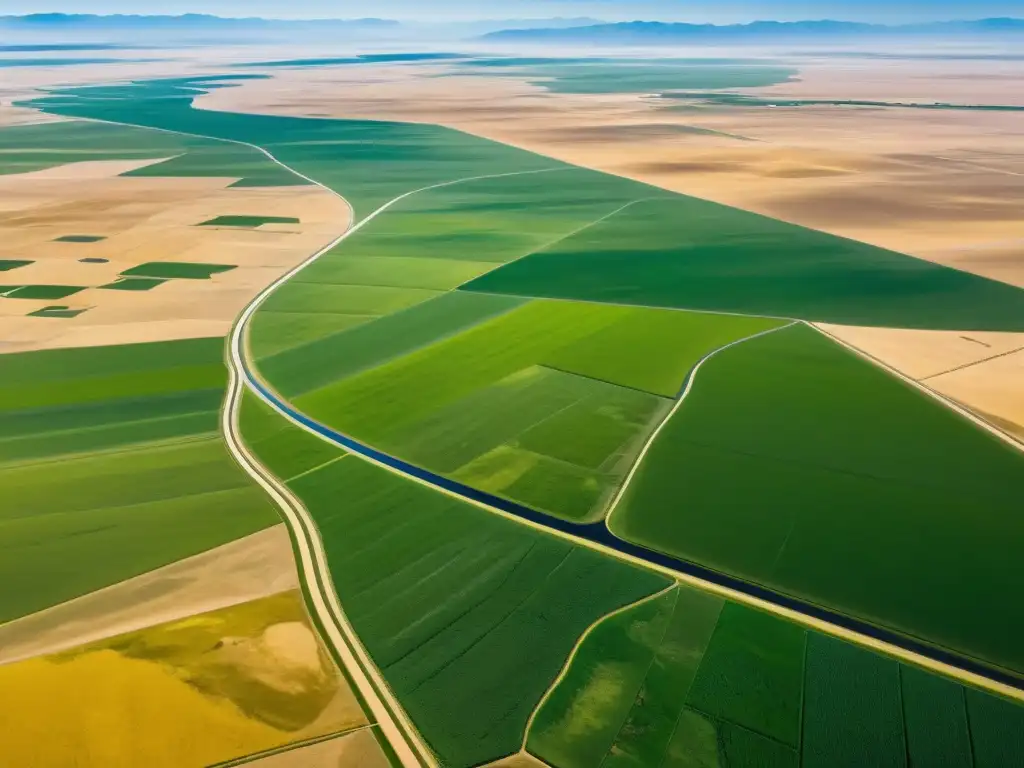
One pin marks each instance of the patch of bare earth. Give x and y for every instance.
(248, 569)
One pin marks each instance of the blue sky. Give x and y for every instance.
(717, 11)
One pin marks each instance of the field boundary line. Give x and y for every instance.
(954, 406)
(563, 673)
(291, 746)
(687, 387)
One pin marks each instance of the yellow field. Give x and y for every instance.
(193, 692)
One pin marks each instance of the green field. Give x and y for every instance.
(169, 270)
(134, 284)
(113, 456)
(544, 403)
(57, 311)
(689, 253)
(468, 615)
(248, 221)
(845, 470)
(689, 681)
(6, 265)
(42, 291)
(80, 239)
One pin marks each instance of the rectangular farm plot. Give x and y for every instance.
(752, 674)
(249, 222)
(6, 265)
(42, 291)
(57, 311)
(853, 711)
(134, 284)
(169, 270)
(935, 720)
(833, 451)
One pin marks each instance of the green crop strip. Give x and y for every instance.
(6, 265)
(248, 221)
(113, 458)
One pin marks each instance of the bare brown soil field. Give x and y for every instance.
(145, 219)
(354, 750)
(200, 690)
(248, 569)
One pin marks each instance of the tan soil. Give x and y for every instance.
(354, 750)
(520, 760)
(146, 219)
(244, 570)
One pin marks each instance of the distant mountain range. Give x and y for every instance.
(192, 25)
(654, 32)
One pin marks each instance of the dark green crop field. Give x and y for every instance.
(43, 291)
(852, 489)
(134, 284)
(689, 253)
(6, 265)
(170, 270)
(688, 680)
(80, 239)
(248, 221)
(113, 459)
(468, 615)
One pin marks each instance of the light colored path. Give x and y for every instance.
(257, 566)
(575, 649)
(355, 749)
(690, 378)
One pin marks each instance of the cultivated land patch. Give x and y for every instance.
(689, 679)
(168, 270)
(469, 616)
(80, 239)
(234, 220)
(6, 265)
(197, 691)
(114, 458)
(851, 472)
